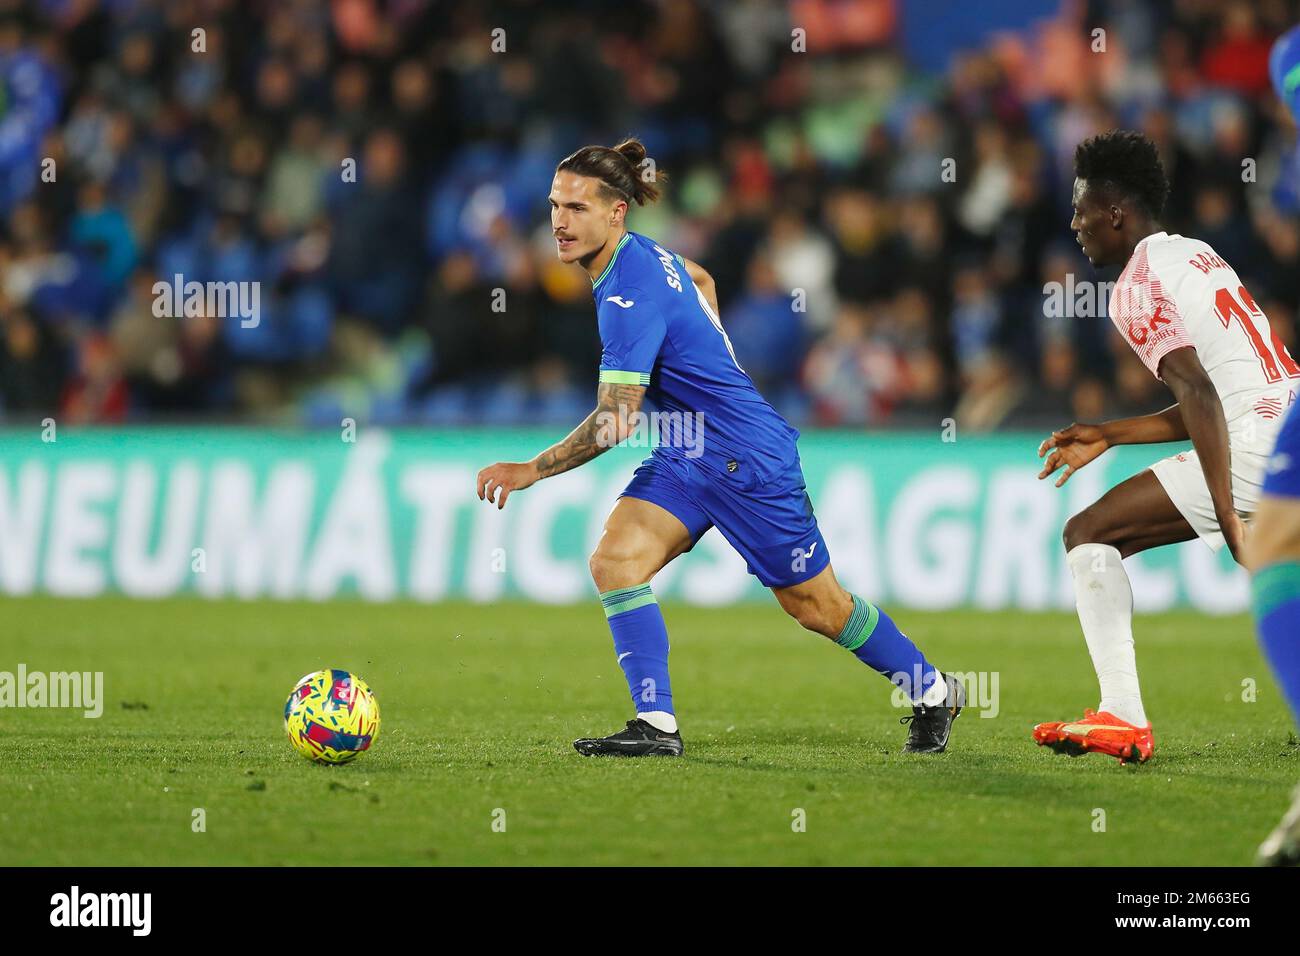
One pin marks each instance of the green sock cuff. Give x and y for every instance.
(622, 600)
(1274, 586)
(861, 623)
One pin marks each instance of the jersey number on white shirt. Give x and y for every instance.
(1275, 361)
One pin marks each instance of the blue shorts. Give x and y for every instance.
(770, 523)
(1282, 472)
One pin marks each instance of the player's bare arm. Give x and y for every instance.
(1163, 426)
(608, 424)
(1072, 448)
(704, 282)
(1207, 427)
(1198, 416)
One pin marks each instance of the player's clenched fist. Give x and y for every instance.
(505, 477)
(1072, 447)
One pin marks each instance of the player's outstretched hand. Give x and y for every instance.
(495, 482)
(1073, 448)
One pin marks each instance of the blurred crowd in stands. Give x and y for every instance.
(881, 232)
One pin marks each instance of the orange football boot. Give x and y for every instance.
(1102, 733)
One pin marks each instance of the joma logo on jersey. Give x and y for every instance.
(619, 301)
(1140, 332)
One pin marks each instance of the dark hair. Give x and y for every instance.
(1129, 163)
(621, 170)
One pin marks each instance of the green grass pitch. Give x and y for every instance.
(480, 704)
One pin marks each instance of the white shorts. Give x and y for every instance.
(1184, 481)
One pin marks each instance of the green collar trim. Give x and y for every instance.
(612, 259)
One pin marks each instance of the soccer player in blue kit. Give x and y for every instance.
(1273, 549)
(1273, 554)
(663, 342)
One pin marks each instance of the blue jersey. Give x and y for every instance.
(657, 330)
(1282, 472)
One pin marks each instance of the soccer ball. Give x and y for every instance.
(331, 716)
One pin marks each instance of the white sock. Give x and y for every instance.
(1105, 600)
(937, 693)
(660, 720)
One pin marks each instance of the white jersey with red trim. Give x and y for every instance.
(1177, 292)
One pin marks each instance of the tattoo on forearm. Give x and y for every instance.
(599, 431)
(578, 448)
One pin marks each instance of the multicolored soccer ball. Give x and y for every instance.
(331, 716)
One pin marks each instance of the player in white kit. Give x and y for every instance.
(1188, 316)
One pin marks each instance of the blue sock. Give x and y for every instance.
(875, 640)
(641, 643)
(1275, 592)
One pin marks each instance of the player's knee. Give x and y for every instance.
(603, 567)
(614, 567)
(1083, 528)
(812, 614)
(809, 617)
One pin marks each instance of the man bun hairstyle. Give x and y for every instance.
(625, 171)
(1129, 163)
